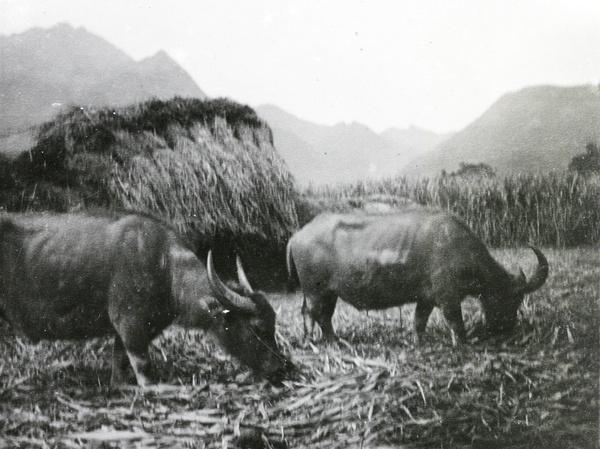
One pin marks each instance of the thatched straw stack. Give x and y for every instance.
(208, 167)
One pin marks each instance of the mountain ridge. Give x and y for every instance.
(63, 65)
(535, 129)
(343, 152)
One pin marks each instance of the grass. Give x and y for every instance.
(555, 209)
(539, 388)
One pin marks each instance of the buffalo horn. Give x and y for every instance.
(540, 275)
(227, 297)
(243, 280)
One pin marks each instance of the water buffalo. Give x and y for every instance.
(412, 256)
(82, 276)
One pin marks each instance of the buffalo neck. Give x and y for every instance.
(192, 299)
(493, 278)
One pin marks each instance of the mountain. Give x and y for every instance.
(164, 78)
(414, 140)
(43, 69)
(536, 129)
(320, 154)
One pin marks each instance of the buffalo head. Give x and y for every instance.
(247, 329)
(502, 303)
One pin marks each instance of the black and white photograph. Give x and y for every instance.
(280, 224)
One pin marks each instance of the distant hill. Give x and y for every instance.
(322, 154)
(414, 140)
(536, 129)
(43, 70)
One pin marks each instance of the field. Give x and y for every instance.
(551, 209)
(538, 388)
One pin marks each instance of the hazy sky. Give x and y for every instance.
(436, 64)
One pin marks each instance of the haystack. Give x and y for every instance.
(207, 167)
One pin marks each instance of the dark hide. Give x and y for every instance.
(416, 256)
(79, 276)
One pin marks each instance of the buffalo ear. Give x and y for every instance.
(224, 295)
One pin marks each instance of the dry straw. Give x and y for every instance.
(204, 165)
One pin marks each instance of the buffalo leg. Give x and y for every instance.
(141, 366)
(422, 312)
(325, 315)
(319, 309)
(131, 312)
(121, 368)
(453, 314)
(136, 346)
(133, 333)
(308, 320)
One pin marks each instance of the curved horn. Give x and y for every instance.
(223, 294)
(242, 276)
(540, 275)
